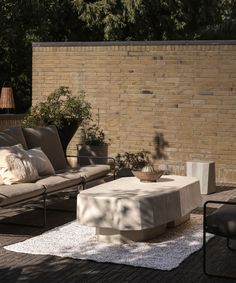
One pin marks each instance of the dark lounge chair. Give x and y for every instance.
(222, 222)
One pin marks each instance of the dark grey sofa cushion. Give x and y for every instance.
(10, 194)
(12, 136)
(48, 139)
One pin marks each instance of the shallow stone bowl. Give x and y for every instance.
(148, 176)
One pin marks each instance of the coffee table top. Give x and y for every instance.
(132, 187)
(128, 204)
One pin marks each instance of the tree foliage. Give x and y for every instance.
(60, 108)
(154, 19)
(21, 23)
(25, 21)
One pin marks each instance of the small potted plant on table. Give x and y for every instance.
(128, 161)
(137, 164)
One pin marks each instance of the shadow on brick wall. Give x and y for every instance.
(160, 144)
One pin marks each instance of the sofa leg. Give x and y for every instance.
(44, 211)
(228, 246)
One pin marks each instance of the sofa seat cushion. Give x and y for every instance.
(95, 171)
(72, 174)
(10, 194)
(48, 139)
(12, 136)
(89, 172)
(56, 183)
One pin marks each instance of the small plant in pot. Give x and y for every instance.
(137, 164)
(93, 148)
(129, 161)
(62, 109)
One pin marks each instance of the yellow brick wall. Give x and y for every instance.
(184, 91)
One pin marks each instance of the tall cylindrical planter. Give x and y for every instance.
(92, 151)
(66, 133)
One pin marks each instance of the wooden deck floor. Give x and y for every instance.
(16, 267)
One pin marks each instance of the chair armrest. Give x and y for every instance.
(95, 157)
(98, 157)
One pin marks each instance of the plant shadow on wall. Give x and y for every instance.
(160, 145)
(62, 109)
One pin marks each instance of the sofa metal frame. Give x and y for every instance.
(204, 237)
(44, 196)
(44, 208)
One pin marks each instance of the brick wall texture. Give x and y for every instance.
(176, 100)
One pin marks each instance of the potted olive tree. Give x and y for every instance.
(93, 148)
(62, 109)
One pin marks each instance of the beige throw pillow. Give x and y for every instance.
(41, 161)
(16, 166)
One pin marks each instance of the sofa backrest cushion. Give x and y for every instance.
(12, 136)
(41, 161)
(48, 139)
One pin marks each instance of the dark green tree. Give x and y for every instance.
(151, 19)
(25, 21)
(21, 23)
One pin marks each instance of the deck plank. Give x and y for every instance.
(17, 267)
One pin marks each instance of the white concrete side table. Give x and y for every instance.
(205, 172)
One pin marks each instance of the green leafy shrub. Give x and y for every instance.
(132, 160)
(60, 108)
(92, 135)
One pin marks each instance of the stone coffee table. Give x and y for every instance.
(126, 210)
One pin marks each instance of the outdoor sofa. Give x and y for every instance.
(64, 177)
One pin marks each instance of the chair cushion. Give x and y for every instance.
(48, 139)
(10, 194)
(89, 173)
(222, 222)
(12, 136)
(72, 174)
(16, 166)
(40, 161)
(56, 183)
(95, 171)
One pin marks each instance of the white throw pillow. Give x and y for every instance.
(41, 161)
(16, 166)
(17, 145)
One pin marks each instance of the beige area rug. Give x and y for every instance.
(79, 242)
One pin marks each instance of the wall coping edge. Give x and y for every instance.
(134, 43)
